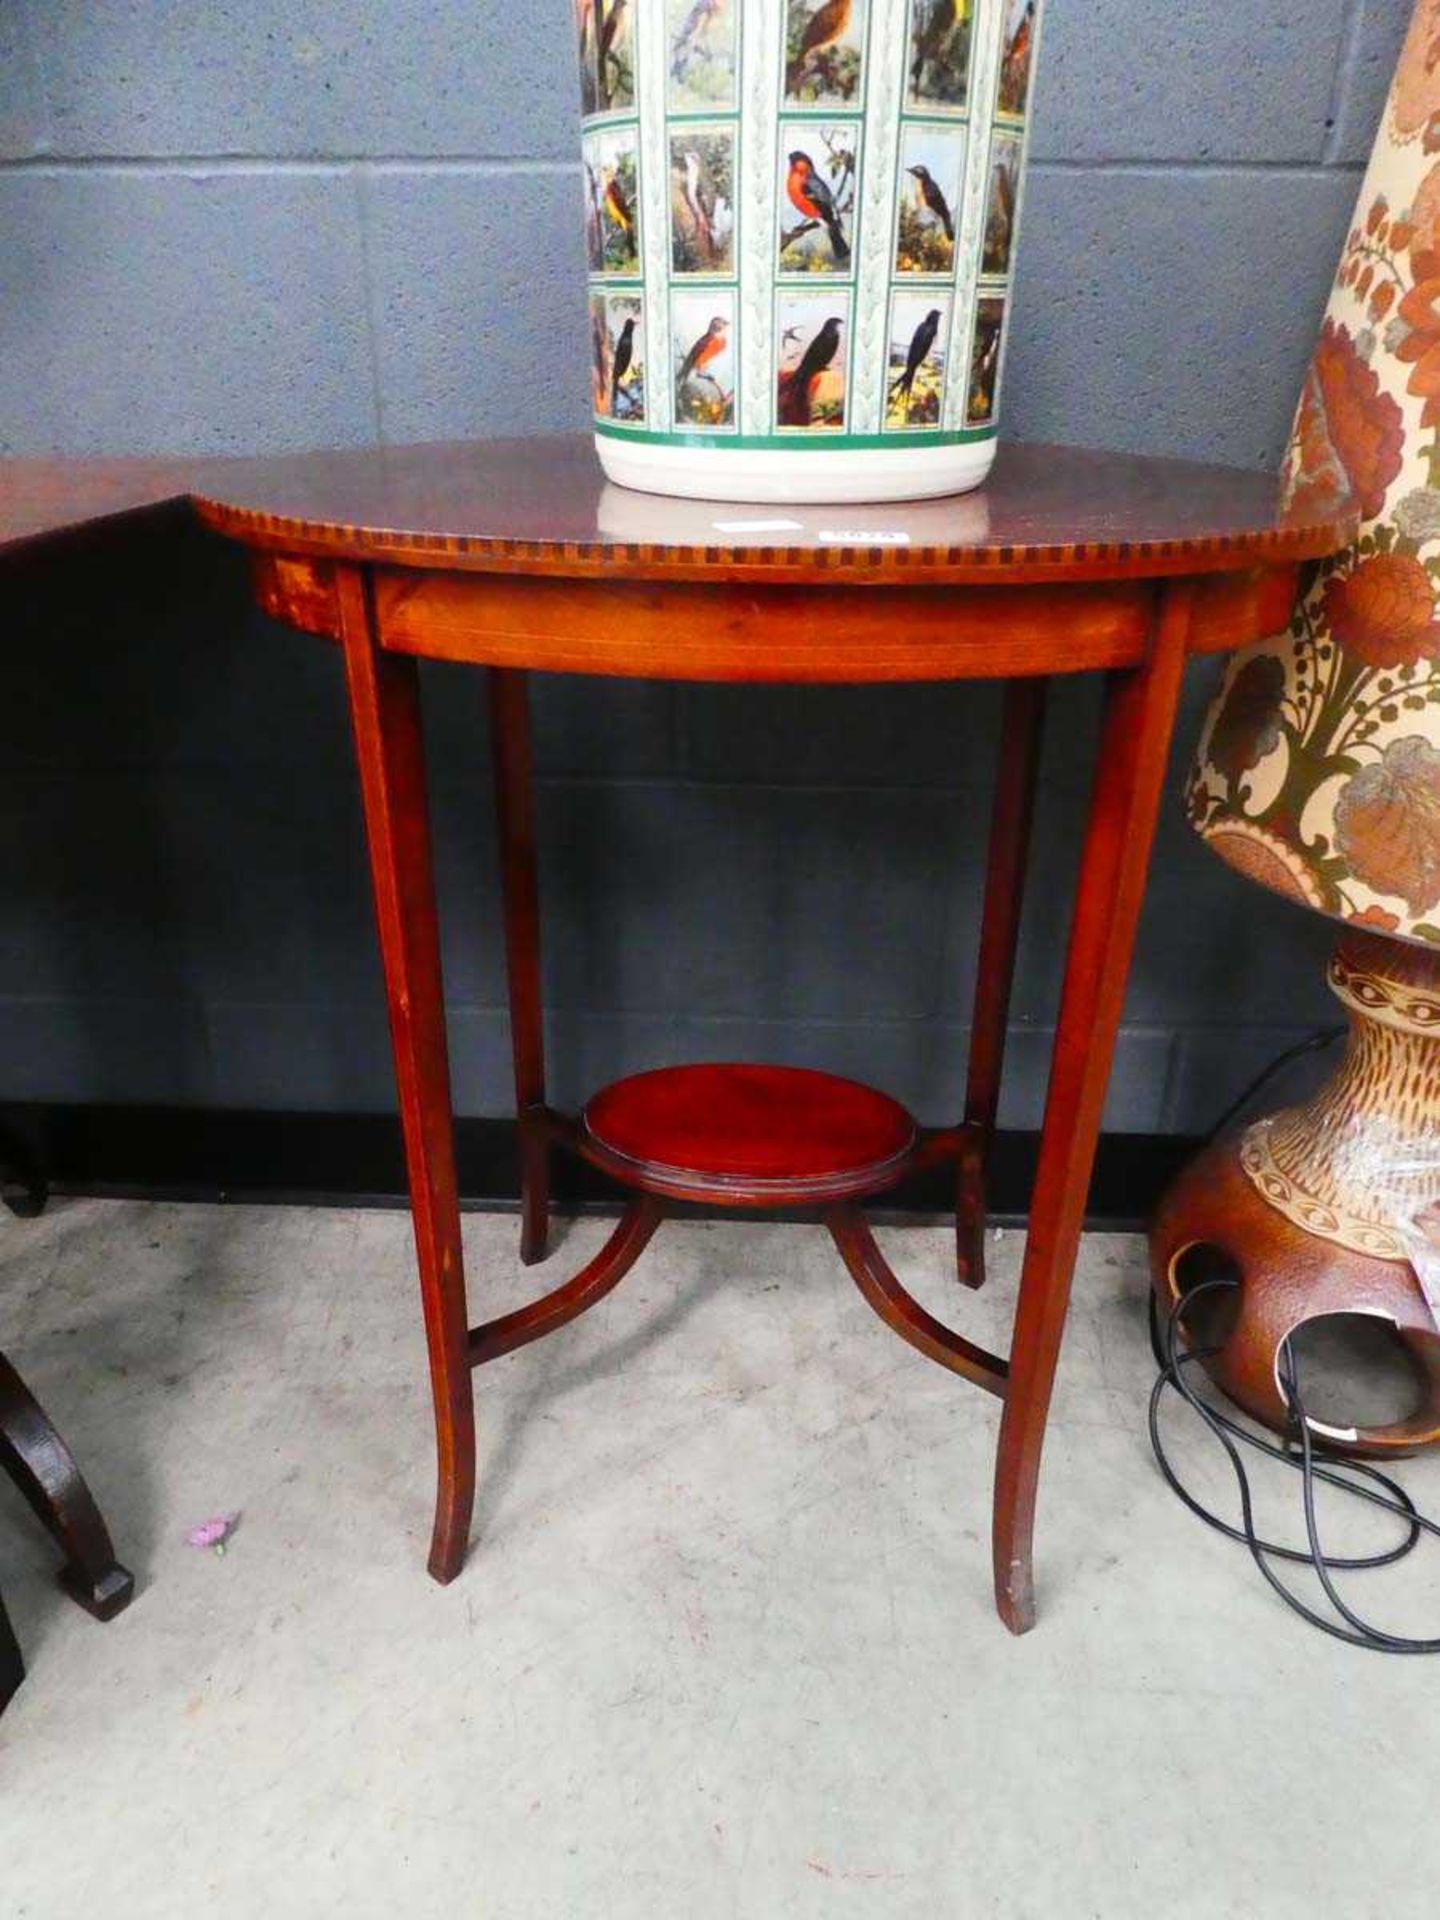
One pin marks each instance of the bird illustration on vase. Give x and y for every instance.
(616, 203)
(699, 197)
(585, 34)
(691, 42)
(694, 368)
(933, 200)
(620, 215)
(594, 222)
(611, 74)
(985, 365)
(940, 51)
(922, 342)
(1015, 67)
(925, 230)
(797, 388)
(599, 357)
(1000, 221)
(808, 193)
(816, 47)
(620, 365)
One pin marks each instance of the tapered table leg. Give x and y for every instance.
(515, 818)
(1139, 718)
(12, 1667)
(385, 716)
(44, 1469)
(1005, 868)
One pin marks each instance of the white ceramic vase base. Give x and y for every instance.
(796, 479)
(801, 221)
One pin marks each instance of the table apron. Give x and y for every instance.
(741, 632)
(745, 633)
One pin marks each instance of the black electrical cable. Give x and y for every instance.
(1313, 1464)
(1315, 1042)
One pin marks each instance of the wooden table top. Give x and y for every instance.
(43, 498)
(542, 506)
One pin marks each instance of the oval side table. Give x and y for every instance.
(515, 556)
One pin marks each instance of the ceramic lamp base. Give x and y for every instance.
(1326, 1209)
(810, 478)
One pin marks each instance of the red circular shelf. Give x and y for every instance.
(749, 1134)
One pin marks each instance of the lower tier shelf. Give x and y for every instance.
(747, 1135)
(752, 1136)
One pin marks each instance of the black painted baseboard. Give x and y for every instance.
(349, 1159)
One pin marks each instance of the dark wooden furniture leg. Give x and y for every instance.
(1124, 805)
(44, 1469)
(515, 817)
(1006, 863)
(385, 716)
(23, 1186)
(12, 1667)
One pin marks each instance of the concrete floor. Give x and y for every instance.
(725, 1644)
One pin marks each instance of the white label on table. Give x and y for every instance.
(861, 539)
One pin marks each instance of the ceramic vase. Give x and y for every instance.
(1318, 775)
(801, 220)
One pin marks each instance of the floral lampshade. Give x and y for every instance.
(1318, 771)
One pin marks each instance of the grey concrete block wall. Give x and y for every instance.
(257, 227)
